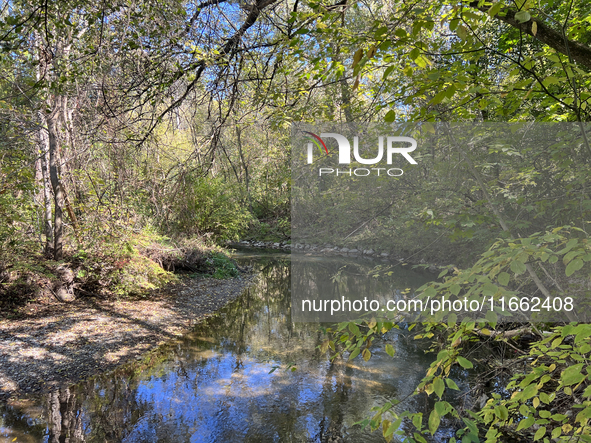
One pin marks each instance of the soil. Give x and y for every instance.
(59, 344)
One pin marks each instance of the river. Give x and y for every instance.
(248, 374)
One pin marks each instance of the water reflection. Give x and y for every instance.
(215, 385)
(339, 289)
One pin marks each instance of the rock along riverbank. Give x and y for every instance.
(328, 249)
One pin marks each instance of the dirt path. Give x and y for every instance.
(62, 344)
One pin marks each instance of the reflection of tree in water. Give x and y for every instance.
(82, 413)
(65, 420)
(331, 425)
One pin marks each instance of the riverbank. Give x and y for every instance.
(62, 344)
(367, 253)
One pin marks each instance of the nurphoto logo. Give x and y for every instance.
(344, 147)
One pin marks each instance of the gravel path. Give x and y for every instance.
(59, 345)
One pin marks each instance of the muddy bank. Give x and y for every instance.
(71, 342)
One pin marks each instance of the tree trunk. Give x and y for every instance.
(579, 52)
(55, 184)
(43, 142)
(44, 160)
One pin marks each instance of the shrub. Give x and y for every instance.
(209, 206)
(221, 266)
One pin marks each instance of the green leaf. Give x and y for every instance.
(438, 97)
(387, 72)
(504, 278)
(582, 332)
(570, 255)
(584, 414)
(434, 421)
(354, 328)
(441, 407)
(417, 420)
(393, 427)
(529, 392)
(572, 375)
(472, 426)
(574, 266)
(462, 32)
(522, 16)
(526, 423)
(390, 116)
(354, 354)
(569, 245)
(501, 412)
(517, 267)
(465, 363)
(400, 32)
(390, 350)
(540, 433)
(429, 292)
(439, 386)
(451, 384)
(494, 9)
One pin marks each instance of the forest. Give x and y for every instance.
(140, 137)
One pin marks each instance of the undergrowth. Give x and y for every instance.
(127, 266)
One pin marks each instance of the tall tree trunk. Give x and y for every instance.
(69, 126)
(43, 143)
(44, 160)
(55, 183)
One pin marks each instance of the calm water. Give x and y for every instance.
(216, 385)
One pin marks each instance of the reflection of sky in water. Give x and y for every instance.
(219, 401)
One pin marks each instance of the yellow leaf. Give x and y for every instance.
(534, 28)
(357, 57)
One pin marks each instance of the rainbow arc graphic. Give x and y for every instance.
(317, 141)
